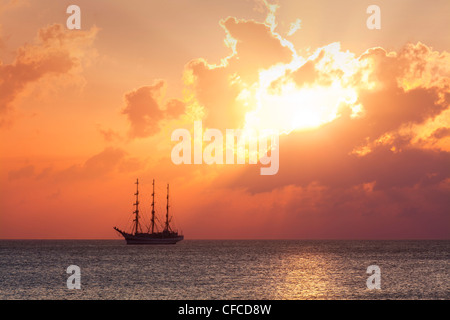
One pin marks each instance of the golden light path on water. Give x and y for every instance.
(229, 269)
(303, 277)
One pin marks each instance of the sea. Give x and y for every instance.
(225, 269)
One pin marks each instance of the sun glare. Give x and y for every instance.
(280, 104)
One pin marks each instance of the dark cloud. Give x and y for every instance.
(389, 108)
(97, 166)
(109, 135)
(24, 172)
(144, 112)
(257, 46)
(174, 108)
(441, 133)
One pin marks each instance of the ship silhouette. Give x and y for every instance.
(152, 236)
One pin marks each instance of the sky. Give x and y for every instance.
(362, 114)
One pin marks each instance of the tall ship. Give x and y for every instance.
(151, 235)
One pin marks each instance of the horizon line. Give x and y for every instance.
(246, 239)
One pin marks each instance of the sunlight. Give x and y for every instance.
(293, 108)
(278, 102)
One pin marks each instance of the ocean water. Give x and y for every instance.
(247, 269)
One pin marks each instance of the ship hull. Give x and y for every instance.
(150, 239)
(141, 240)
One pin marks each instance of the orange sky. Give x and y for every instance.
(363, 114)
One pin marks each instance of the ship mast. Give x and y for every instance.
(153, 207)
(167, 211)
(136, 212)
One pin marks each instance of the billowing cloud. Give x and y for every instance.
(56, 51)
(350, 125)
(145, 112)
(217, 88)
(354, 149)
